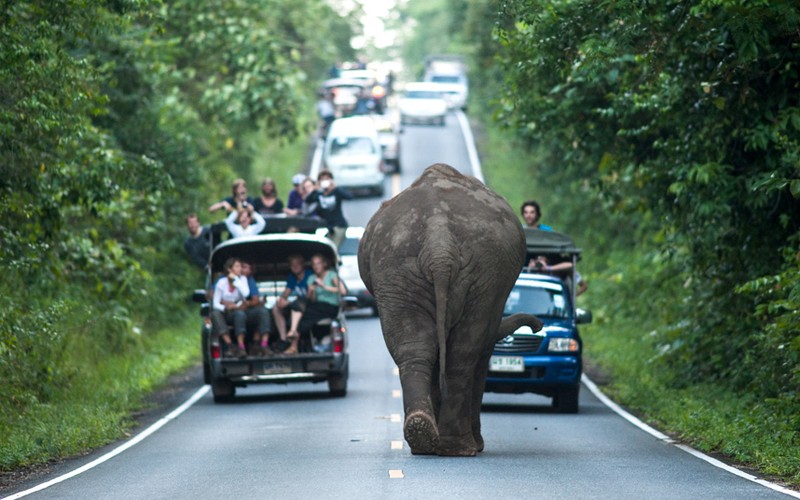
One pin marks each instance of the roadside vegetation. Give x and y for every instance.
(117, 120)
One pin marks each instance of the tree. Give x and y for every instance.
(685, 116)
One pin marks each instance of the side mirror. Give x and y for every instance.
(583, 316)
(199, 296)
(350, 302)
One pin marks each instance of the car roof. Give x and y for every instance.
(352, 124)
(354, 232)
(539, 277)
(269, 248)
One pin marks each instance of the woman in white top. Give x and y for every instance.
(250, 222)
(230, 293)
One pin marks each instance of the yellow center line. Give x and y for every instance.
(397, 445)
(394, 417)
(395, 185)
(396, 474)
(397, 393)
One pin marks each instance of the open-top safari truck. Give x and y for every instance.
(322, 355)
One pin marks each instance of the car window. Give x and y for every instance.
(544, 299)
(423, 94)
(445, 79)
(349, 247)
(350, 146)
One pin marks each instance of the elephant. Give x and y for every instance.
(440, 259)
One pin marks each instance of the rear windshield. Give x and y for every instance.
(540, 298)
(350, 146)
(423, 94)
(445, 79)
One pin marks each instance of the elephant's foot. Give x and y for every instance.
(421, 433)
(478, 442)
(457, 447)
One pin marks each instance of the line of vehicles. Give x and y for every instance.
(363, 142)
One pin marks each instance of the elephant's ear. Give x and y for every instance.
(510, 324)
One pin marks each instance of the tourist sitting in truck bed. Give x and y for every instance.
(297, 286)
(324, 291)
(230, 293)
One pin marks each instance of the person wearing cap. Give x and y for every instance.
(295, 200)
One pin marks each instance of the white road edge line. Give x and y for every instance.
(478, 172)
(688, 449)
(469, 141)
(116, 451)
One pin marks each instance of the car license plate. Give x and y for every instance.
(276, 367)
(507, 364)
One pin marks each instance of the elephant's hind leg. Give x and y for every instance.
(421, 433)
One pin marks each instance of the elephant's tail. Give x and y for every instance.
(441, 285)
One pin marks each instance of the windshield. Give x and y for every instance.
(423, 94)
(445, 79)
(351, 146)
(541, 298)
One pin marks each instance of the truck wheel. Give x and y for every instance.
(566, 401)
(223, 391)
(337, 384)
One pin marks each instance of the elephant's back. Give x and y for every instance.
(444, 211)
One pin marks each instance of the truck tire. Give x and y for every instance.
(223, 390)
(566, 401)
(337, 384)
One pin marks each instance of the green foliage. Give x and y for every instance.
(117, 119)
(680, 118)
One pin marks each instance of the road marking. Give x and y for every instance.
(663, 437)
(395, 185)
(119, 449)
(397, 393)
(396, 474)
(396, 371)
(397, 445)
(394, 417)
(469, 142)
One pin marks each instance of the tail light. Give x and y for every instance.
(216, 351)
(378, 91)
(338, 339)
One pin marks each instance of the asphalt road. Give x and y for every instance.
(296, 441)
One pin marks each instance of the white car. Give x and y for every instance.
(357, 292)
(455, 88)
(352, 153)
(423, 102)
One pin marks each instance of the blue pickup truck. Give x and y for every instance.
(548, 362)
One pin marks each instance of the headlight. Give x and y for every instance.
(561, 344)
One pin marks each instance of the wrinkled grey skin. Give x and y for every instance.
(441, 259)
